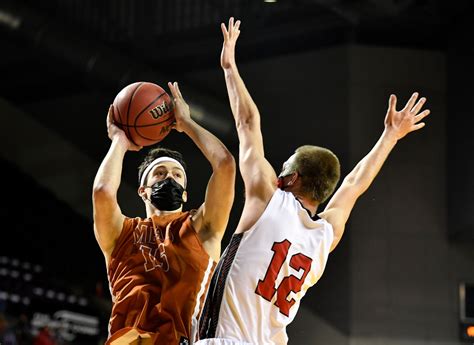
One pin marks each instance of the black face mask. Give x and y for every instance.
(167, 195)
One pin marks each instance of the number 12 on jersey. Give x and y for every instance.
(266, 287)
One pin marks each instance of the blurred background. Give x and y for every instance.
(321, 72)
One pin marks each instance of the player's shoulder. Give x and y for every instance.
(330, 217)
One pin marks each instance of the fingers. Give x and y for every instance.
(110, 115)
(231, 30)
(178, 91)
(392, 103)
(422, 115)
(411, 101)
(171, 86)
(236, 29)
(174, 89)
(225, 33)
(418, 126)
(418, 105)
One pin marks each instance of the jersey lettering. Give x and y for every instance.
(266, 287)
(153, 261)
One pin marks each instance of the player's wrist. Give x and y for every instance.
(121, 142)
(186, 124)
(390, 135)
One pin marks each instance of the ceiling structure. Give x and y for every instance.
(111, 42)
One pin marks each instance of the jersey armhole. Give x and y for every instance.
(277, 195)
(127, 226)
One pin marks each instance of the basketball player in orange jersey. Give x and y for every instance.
(281, 244)
(158, 267)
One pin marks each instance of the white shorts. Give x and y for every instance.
(219, 341)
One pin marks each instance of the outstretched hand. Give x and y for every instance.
(182, 112)
(228, 47)
(400, 123)
(114, 131)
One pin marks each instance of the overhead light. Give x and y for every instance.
(269, 0)
(9, 19)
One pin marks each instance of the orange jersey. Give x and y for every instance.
(158, 275)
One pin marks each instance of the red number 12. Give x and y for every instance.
(266, 287)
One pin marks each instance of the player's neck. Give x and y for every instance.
(309, 205)
(157, 212)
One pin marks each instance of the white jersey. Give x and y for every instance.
(263, 274)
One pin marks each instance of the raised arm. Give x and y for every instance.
(397, 125)
(258, 175)
(108, 218)
(212, 217)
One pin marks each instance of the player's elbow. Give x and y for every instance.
(226, 163)
(248, 118)
(246, 122)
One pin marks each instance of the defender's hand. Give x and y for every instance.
(231, 34)
(400, 123)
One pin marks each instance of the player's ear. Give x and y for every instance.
(294, 178)
(185, 196)
(141, 192)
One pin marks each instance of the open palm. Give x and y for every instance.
(400, 123)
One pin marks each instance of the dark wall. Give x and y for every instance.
(40, 229)
(460, 162)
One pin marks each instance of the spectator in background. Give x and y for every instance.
(44, 337)
(23, 331)
(7, 336)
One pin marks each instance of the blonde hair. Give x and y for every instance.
(319, 170)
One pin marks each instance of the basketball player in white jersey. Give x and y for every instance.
(281, 244)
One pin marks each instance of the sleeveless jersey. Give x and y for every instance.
(158, 275)
(263, 274)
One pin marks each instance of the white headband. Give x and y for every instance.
(158, 161)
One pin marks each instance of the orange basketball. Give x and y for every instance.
(144, 111)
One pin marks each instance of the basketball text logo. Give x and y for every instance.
(160, 110)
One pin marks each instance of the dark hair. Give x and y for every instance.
(319, 169)
(156, 153)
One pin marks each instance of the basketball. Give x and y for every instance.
(144, 111)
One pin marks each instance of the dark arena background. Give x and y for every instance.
(321, 72)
